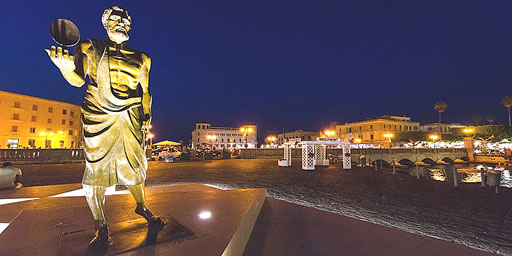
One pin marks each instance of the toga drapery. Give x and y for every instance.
(112, 134)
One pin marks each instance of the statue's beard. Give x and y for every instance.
(118, 35)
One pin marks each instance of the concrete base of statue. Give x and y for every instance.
(201, 220)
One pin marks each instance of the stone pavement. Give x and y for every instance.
(467, 215)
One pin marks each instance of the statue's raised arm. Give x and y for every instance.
(73, 67)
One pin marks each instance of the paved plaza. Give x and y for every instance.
(468, 214)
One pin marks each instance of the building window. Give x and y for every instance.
(400, 128)
(70, 132)
(384, 126)
(33, 130)
(50, 109)
(70, 123)
(72, 144)
(17, 104)
(371, 136)
(72, 114)
(415, 128)
(32, 143)
(14, 128)
(34, 107)
(49, 120)
(34, 118)
(350, 130)
(61, 143)
(63, 121)
(371, 127)
(15, 116)
(64, 111)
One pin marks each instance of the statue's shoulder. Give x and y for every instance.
(87, 46)
(142, 55)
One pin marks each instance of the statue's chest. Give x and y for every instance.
(124, 68)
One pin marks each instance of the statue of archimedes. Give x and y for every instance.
(116, 114)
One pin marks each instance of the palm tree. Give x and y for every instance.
(507, 102)
(440, 107)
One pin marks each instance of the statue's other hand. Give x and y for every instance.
(62, 59)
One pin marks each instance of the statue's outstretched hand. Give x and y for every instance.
(62, 59)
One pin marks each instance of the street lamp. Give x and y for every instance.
(468, 131)
(330, 133)
(46, 134)
(389, 136)
(150, 136)
(245, 131)
(211, 138)
(434, 137)
(271, 139)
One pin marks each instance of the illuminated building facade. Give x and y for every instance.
(206, 136)
(297, 134)
(31, 122)
(442, 128)
(372, 131)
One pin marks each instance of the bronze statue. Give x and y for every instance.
(116, 115)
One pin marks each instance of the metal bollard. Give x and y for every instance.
(482, 178)
(455, 181)
(394, 167)
(375, 165)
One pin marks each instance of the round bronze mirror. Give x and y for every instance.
(64, 32)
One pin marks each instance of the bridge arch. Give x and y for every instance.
(448, 160)
(380, 162)
(407, 162)
(428, 161)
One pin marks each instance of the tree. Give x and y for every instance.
(490, 118)
(440, 107)
(476, 118)
(507, 102)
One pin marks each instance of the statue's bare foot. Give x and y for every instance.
(101, 239)
(148, 215)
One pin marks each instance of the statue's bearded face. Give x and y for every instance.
(118, 26)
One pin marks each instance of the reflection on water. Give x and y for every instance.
(444, 173)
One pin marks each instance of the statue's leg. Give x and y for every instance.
(95, 196)
(142, 208)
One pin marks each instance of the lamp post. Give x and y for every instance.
(245, 131)
(330, 133)
(150, 137)
(434, 137)
(211, 138)
(271, 139)
(389, 136)
(46, 134)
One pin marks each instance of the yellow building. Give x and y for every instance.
(31, 122)
(372, 131)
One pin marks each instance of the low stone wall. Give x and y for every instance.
(38, 156)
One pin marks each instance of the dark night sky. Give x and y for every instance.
(285, 64)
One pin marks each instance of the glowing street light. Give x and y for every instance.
(211, 138)
(46, 143)
(468, 131)
(357, 140)
(271, 139)
(151, 136)
(389, 136)
(329, 133)
(246, 131)
(434, 137)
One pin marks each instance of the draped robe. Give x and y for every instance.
(112, 127)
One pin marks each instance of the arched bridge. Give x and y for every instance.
(403, 156)
(408, 156)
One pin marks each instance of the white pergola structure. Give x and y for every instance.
(314, 153)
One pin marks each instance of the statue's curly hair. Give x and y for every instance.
(107, 12)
